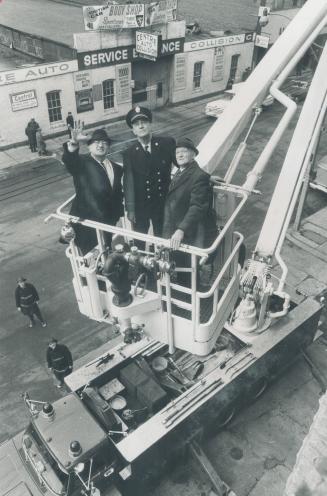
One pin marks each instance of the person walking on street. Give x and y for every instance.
(27, 299)
(147, 168)
(70, 123)
(59, 360)
(30, 132)
(98, 185)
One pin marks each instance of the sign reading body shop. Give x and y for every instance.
(137, 15)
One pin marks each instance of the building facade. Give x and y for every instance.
(109, 75)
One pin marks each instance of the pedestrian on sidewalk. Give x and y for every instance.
(30, 132)
(27, 301)
(59, 360)
(40, 143)
(70, 123)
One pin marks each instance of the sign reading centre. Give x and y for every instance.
(147, 45)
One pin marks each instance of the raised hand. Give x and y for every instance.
(78, 132)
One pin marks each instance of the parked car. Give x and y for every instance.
(297, 89)
(216, 107)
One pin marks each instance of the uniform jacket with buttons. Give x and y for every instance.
(187, 204)
(27, 296)
(147, 175)
(96, 199)
(59, 358)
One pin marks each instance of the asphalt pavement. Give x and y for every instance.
(256, 452)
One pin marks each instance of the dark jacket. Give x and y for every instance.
(70, 120)
(60, 358)
(27, 296)
(147, 176)
(31, 128)
(187, 205)
(96, 199)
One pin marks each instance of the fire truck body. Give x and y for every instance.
(187, 358)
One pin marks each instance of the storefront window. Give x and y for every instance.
(197, 73)
(108, 94)
(54, 106)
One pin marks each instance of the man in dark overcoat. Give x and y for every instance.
(30, 132)
(187, 205)
(188, 199)
(147, 168)
(98, 186)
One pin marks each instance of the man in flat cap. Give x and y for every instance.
(147, 168)
(98, 185)
(187, 204)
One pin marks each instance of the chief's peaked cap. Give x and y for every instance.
(138, 113)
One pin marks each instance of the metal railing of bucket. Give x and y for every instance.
(198, 255)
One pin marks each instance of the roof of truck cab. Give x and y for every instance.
(71, 422)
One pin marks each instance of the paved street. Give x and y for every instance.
(256, 452)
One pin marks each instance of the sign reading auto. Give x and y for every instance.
(37, 72)
(119, 55)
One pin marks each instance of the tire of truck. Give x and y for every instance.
(225, 416)
(258, 388)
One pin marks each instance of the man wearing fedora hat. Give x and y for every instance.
(187, 205)
(98, 185)
(147, 168)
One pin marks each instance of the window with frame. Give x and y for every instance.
(197, 74)
(54, 106)
(108, 94)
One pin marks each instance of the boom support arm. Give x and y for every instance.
(286, 52)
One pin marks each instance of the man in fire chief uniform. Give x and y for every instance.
(147, 168)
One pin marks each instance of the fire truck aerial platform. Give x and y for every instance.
(186, 359)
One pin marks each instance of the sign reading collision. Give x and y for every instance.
(127, 16)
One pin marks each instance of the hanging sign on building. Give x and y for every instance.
(160, 12)
(180, 72)
(127, 16)
(147, 45)
(23, 100)
(234, 39)
(218, 64)
(262, 41)
(123, 83)
(112, 17)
